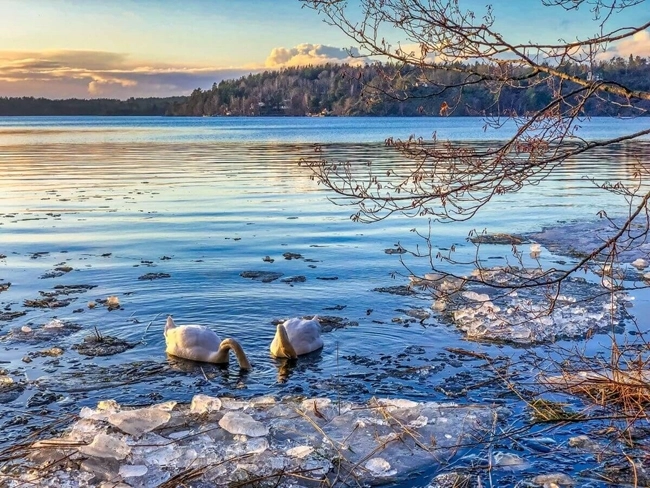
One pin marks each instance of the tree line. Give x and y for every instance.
(30, 106)
(369, 90)
(393, 90)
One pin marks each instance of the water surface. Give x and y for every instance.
(203, 200)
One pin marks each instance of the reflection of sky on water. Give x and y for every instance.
(71, 130)
(144, 189)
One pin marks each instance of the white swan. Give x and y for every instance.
(296, 337)
(200, 343)
(535, 250)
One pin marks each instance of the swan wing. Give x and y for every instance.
(194, 342)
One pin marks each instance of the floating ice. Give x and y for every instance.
(380, 467)
(133, 470)
(242, 423)
(141, 421)
(300, 451)
(106, 446)
(205, 404)
(283, 441)
(525, 315)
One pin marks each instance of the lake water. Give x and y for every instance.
(203, 200)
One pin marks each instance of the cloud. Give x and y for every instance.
(637, 45)
(306, 54)
(102, 74)
(95, 74)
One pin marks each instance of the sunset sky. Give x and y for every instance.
(119, 49)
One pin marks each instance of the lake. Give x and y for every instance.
(199, 201)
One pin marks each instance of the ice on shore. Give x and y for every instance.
(106, 446)
(243, 424)
(516, 312)
(286, 442)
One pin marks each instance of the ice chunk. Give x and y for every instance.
(380, 467)
(139, 421)
(133, 470)
(262, 401)
(421, 421)
(397, 403)
(204, 404)
(509, 460)
(242, 423)
(106, 446)
(102, 412)
(300, 451)
(232, 404)
(256, 445)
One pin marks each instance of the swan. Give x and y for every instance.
(296, 337)
(535, 250)
(200, 343)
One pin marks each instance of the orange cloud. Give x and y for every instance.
(637, 45)
(93, 74)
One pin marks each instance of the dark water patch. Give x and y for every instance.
(43, 398)
(72, 289)
(51, 330)
(268, 259)
(9, 316)
(499, 238)
(263, 276)
(292, 255)
(395, 250)
(154, 276)
(100, 345)
(51, 352)
(294, 279)
(401, 290)
(327, 278)
(51, 274)
(48, 302)
(10, 390)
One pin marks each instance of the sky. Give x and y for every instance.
(135, 48)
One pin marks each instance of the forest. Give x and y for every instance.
(30, 106)
(368, 90)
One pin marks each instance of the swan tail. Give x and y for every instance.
(286, 348)
(169, 325)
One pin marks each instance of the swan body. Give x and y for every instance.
(296, 337)
(535, 250)
(199, 343)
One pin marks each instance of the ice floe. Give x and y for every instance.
(287, 442)
(514, 311)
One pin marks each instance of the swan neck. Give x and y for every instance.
(285, 343)
(231, 344)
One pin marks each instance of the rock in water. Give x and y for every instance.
(243, 424)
